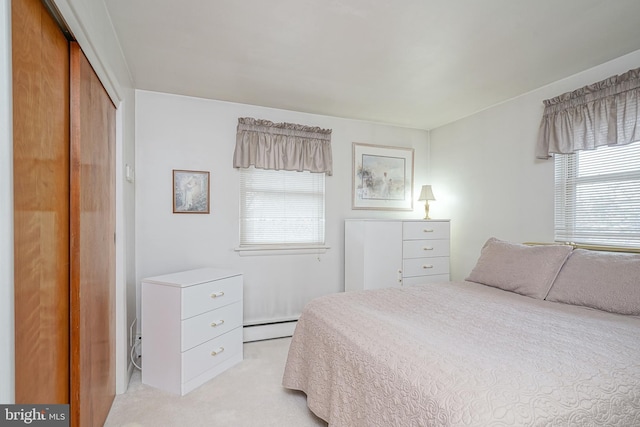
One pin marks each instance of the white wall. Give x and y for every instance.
(485, 174)
(177, 132)
(7, 362)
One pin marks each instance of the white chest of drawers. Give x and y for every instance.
(425, 252)
(386, 253)
(191, 327)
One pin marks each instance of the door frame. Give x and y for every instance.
(7, 325)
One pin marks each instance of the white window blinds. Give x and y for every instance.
(279, 207)
(597, 196)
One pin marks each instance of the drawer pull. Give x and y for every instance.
(427, 266)
(218, 323)
(427, 248)
(217, 294)
(428, 230)
(217, 352)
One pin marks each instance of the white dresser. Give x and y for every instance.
(191, 327)
(386, 253)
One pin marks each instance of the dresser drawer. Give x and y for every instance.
(425, 266)
(211, 295)
(421, 280)
(210, 354)
(417, 230)
(425, 248)
(211, 324)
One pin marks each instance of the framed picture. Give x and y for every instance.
(382, 177)
(190, 191)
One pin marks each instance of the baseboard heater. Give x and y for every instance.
(267, 331)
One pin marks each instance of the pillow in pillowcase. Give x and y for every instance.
(608, 281)
(523, 269)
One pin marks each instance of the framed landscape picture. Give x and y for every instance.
(190, 191)
(382, 177)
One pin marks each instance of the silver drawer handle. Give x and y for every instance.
(428, 230)
(214, 324)
(427, 249)
(427, 266)
(217, 352)
(217, 294)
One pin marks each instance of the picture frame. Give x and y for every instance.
(382, 177)
(190, 191)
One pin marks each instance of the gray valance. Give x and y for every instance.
(604, 113)
(282, 146)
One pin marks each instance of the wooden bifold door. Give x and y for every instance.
(64, 223)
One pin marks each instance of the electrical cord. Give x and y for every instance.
(133, 349)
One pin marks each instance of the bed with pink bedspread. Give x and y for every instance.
(536, 336)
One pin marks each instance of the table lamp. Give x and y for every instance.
(426, 194)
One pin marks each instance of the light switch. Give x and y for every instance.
(129, 173)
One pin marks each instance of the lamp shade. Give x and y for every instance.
(426, 193)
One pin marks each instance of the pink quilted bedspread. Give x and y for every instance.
(463, 354)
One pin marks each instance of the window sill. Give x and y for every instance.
(281, 250)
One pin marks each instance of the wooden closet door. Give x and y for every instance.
(40, 57)
(92, 245)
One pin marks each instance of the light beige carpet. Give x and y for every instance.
(249, 394)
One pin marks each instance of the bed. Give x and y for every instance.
(536, 336)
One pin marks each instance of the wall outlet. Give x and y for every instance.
(138, 346)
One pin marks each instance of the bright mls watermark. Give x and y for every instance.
(34, 415)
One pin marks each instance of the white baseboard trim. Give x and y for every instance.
(268, 331)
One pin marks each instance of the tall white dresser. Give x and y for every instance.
(387, 253)
(191, 327)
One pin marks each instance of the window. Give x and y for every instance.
(281, 208)
(597, 196)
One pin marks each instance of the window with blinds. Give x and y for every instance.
(281, 208)
(597, 196)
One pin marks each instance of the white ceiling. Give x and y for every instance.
(414, 63)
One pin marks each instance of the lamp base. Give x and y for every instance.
(426, 209)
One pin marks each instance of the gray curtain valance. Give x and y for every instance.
(282, 146)
(604, 113)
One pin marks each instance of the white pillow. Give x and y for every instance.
(523, 269)
(607, 281)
